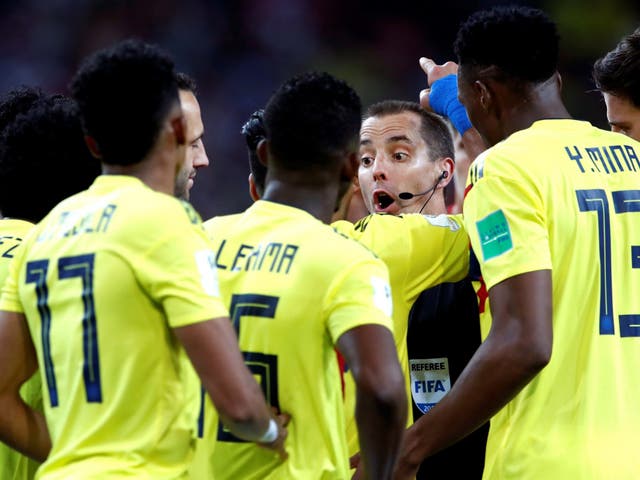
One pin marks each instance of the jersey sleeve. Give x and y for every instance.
(505, 219)
(421, 250)
(179, 272)
(439, 251)
(360, 295)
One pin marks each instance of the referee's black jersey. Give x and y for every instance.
(444, 333)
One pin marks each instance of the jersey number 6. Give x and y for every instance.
(262, 365)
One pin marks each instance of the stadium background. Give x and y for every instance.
(239, 51)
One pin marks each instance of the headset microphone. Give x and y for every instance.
(409, 195)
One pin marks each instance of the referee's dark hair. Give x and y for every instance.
(124, 94)
(521, 42)
(618, 72)
(434, 130)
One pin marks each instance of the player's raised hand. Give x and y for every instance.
(434, 72)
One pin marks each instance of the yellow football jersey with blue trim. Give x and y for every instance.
(102, 281)
(14, 466)
(564, 196)
(293, 287)
(421, 251)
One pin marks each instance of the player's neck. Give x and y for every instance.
(317, 200)
(156, 172)
(542, 102)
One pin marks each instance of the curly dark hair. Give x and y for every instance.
(618, 72)
(311, 120)
(521, 41)
(124, 94)
(43, 159)
(254, 131)
(17, 101)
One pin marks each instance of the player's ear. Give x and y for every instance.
(253, 191)
(179, 129)
(559, 80)
(484, 94)
(350, 166)
(262, 150)
(92, 145)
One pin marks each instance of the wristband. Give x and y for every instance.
(271, 434)
(443, 99)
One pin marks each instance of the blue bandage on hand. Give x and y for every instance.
(443, 99)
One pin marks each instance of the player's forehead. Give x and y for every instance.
(391, 128)
(620, 106)
(189, 104)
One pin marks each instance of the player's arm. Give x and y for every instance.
(517, 348)
(21, 427)
(381, 402)
(212, 347)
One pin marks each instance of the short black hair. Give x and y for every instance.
(311, 120)
(434, 129)
(521, 41)
(618, 72)
(43, 159)
(186, 82)
(17, 101)
(254, 131)
(124, 94)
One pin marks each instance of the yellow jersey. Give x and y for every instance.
(13, 465)
(564, 196)
(293, 287)
(102, 280)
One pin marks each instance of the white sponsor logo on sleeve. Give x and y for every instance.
(205, 260)
(382, 295)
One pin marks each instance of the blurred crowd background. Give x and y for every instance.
(239, 51)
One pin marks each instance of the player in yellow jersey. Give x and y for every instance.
(297, 290)
(551, 214)
(196, 154)
(384, 234)
(116, 284)
(38, 134)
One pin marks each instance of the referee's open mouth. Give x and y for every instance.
(383, 201)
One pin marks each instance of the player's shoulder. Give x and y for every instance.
(341, 242)
(14, 227)
(221, 223)
(125, 207)
(149, 207)
(510, 157)
(333, 248)
(386, 225)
